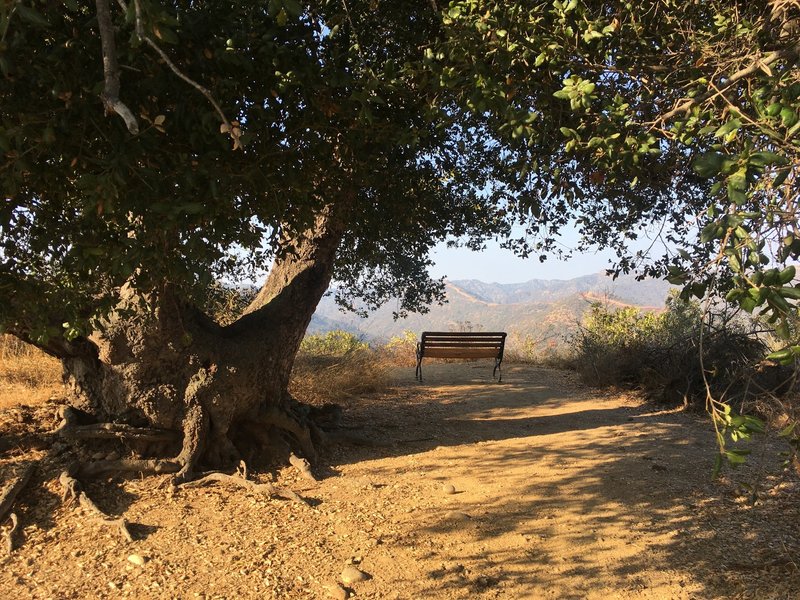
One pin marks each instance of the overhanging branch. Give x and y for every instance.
(110, 93)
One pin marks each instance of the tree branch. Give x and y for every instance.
(751, 69)
(110, 93)
(229, 127)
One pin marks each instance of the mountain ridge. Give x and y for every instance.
(537, 309)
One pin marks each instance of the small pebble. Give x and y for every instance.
(353, 575)
(137, 559)
(337, 592)
(449, 489)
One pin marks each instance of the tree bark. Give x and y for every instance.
(162, 364)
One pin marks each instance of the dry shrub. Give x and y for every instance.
(336, 366)
(27, 375)
(547, 353)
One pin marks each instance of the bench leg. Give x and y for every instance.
(418, 372)
(498, 367)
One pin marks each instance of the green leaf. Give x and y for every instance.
(708, 164)
(736, 457)
(790, 292)
(774, 109)
(787, 275)
(729, 127)
(762, 159)
(31, 15)
(788, 117)
(293, 7)
(717, 466)
(737, 196)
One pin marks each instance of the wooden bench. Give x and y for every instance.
(444, 344)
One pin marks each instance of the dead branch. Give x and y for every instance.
(240, 480)
(754, 67)
(7, 499)
(73, 492)
(110, 93)
(105, 431)
(12, 490)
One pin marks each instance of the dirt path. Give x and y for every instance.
(559, 493)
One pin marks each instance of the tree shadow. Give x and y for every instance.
(564, 495)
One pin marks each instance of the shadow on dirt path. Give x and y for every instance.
(558, 491)
(566, 493)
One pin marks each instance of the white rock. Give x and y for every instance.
(353, 575)
(137, 559)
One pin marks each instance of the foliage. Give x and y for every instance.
(610, 115)
(336, 343)
(705, 95)
(666, 353)
(618, 346)
(327, 104)
(402, 349)
(528, 349)
(225, 304)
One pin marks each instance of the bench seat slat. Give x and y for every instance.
(460, 353)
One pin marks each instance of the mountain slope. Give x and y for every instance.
(537, 310)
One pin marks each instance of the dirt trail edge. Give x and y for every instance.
(534, 488)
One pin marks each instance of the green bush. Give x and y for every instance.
(336, 343)
(664, 353)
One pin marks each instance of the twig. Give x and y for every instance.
(10, 535)
(302, 465)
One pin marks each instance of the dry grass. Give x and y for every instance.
(318, 379)
(27, 375)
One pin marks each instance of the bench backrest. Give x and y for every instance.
(444, 344)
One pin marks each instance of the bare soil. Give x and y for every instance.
(558, 491)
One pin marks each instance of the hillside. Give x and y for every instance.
(538, 309)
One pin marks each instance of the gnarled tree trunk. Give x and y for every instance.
(161, 363)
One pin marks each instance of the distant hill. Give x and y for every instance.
(538, 310)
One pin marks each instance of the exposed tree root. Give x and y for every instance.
(12, 490)
(104, 467)
(240, 479)
(73, 492)
(71, 429)
(302, 465)
(196, 425)
(7, 500)
(281, 419)
(10, 538)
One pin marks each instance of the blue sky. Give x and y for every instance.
(496, 265)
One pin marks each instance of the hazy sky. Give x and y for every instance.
(495, 265)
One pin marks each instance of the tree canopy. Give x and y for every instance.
(429, 121)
